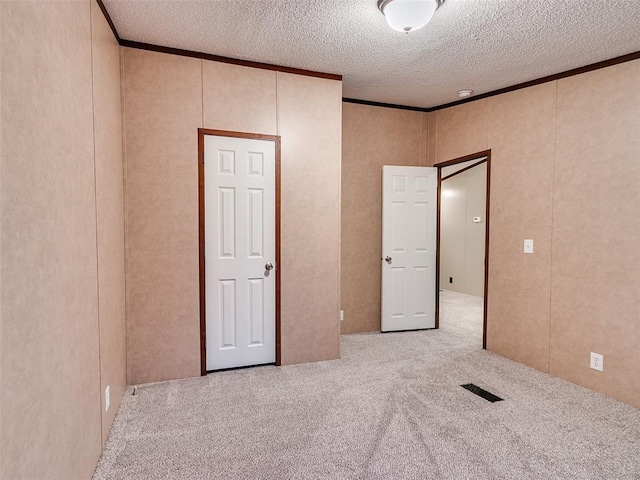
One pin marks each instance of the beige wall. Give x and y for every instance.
(595, 269)
(166, 99)
(457, 131)
(162, 110)
(109, 214)
(371, 137)
(564, 172)
(55, 248)
(462, 249)
(309, 121)
(239, 99)
(522, 153)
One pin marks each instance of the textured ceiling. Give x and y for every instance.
(483, 45)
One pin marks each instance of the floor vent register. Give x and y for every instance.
(481, 392)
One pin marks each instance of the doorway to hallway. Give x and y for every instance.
(463, 240)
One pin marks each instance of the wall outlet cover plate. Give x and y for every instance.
(597, 362)
(528, 246)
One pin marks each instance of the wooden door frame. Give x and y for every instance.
(439, 166)
(201, 232)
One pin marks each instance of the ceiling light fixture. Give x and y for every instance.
(465, 93)
(408, 15)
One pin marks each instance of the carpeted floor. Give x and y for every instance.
(391, 408)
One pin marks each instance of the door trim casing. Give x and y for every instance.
(201, 234)
(439, 166)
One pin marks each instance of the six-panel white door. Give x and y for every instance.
(409, 203)
(239, 250)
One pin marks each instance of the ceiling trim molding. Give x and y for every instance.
(550, 78)
(207, 56)
(109, 21)
(266, 66)
(384, 105)
(233, 61)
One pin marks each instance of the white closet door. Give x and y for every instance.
(239, 251)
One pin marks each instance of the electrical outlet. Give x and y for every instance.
(341, 315)
(528, 246)
(107, 399)
(597, 362)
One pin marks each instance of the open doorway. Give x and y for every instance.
(463, 241)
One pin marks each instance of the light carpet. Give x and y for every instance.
(390, 408)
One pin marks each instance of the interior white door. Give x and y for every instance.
(409, 203)
(240, 263)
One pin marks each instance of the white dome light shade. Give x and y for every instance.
(408, 15)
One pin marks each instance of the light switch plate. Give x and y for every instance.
(528, 246)
(107, 399)
(341, 315)
(477, 219)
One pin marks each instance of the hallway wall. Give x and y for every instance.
(462, 251)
